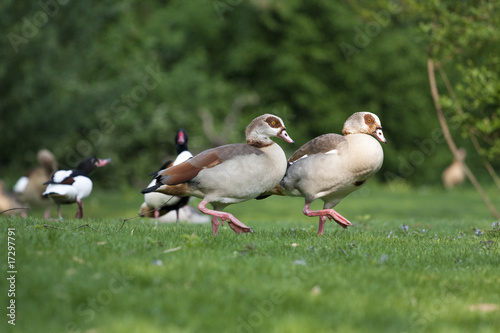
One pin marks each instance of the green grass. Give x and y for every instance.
(440, 275)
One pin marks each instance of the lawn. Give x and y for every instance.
(417, 260)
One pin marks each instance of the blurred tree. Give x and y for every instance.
(464, 36)
(117, 78)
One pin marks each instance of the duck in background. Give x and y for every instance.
(186, 213)
(70, 186)
(29, 188)
(8, 202)
(168, 208)
(331, 166)
(230, 174)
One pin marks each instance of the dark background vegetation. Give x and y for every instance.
(118, 78)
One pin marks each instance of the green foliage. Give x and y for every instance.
(118, 78)
(464, 36)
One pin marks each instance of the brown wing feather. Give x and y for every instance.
(186, 171)
(321, 144)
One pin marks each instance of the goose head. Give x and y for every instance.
(366, 123)
(261, 129)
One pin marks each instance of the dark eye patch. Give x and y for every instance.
(369, 120)
(273, 122)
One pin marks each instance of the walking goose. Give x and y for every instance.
(331, 166)
(230, 174)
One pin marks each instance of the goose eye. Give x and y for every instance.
(273, 123)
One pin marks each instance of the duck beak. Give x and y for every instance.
(284, 135)
(103, 162)
(181, 138)
(379, 135)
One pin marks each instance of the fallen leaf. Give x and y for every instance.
(316, 290)
(483, 307)
(78, 260)
(173, 249)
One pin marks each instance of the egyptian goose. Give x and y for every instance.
(70, 186)
(230, 174)
(30, 187)
(331, 166)
(157, 204)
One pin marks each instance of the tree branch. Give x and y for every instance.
(470, 129)
(449, 139)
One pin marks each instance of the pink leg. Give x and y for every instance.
(59, 212)
(177, 213)
(157, 213)
(330, 213)
(215, 225)
(322, 220)
(79, 212)
(46, 214)
(233, 222)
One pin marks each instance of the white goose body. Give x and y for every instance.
(332, 166)
(230, 174)
(248, 175)
(335, 173)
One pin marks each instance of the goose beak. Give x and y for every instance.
(284, 135)
(379, 135)
(103, 162)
